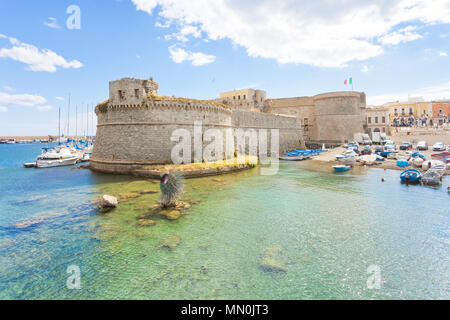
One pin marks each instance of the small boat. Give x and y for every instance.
(290, 158)
(341, 168)
(410, 175)
(402, 163)
(11, 141)
(418, 161)
(431, 178)
(385, 153)
(439, 168)
(417, 154)
(428, 164)
(441, 155)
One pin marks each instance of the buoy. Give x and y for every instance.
(382, 180)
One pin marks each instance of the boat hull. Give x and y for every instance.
(56, 163)
(410, 175)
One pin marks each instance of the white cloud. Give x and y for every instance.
(52, 23)
(8, 88)
(442, 54)
(44, 108)
(320, 33)
(403, 35)
(179, 55)
(366, 68)
(3, 109)
(437, 92)
(36, 59)
(25, 100)
(184, 33)
(60, 98)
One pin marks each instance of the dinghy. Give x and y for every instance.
(341, 168)
(428, 164)
(418, 161)
(410, 175)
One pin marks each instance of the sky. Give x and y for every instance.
(50, 50)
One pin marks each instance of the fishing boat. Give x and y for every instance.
(56, 158)
(341, 168)
(402, 163)
(431, 178)
(411, 175)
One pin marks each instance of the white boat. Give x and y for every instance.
(418, 161)
(428, 164)
(439, 168)
(57, 157)
(368, 159)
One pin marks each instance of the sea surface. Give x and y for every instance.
(336, 233)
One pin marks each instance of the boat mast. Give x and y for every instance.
(76, 123)
(59, 125)
(68, 118)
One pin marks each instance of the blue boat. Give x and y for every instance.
(385, 153)
(417, 154)
(402, 163)
(410, 175)
(341, 168)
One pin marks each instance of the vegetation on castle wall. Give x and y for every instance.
(102, 106)
(154, 97)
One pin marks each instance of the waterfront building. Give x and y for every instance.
(377, 119)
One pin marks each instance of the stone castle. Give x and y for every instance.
(135, 125)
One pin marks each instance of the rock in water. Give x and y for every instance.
(172, 214)
(146, 222)
(172, 186)
(272, 260)
(170, 242)
(107, 203)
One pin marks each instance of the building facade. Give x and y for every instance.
(377, 120)
(245, 99)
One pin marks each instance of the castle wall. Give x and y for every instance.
(288, 128)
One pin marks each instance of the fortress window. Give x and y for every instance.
(136, 93)
(244, 96)
(234, 97)
(376, 119)
(121, 95)
(239, 97)
(370, 120)
(383, 119)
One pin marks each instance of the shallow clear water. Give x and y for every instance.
(330, 229)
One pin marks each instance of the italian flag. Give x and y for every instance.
(348, 81)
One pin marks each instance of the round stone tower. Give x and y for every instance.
(339, 115)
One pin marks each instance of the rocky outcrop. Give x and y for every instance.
(107, 203)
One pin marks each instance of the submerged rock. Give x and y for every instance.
(129, 195)
(272, 260)
(171, 242)
(107, 203)
(146, 222)
(171, 215)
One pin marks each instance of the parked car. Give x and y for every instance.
(405, 145)
(439, 146)
(379, 149)
(422, 145)
(389, 145)
(366, 150)
(353, 145)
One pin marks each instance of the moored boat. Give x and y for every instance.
(418, 161)
(431, 178)
(57, 158)
(341, 168)
(410, 175)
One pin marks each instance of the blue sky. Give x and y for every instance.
(199, 48)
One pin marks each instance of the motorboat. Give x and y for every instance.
(410, 175)
(341, 168)
(57, 157)
(439, 168)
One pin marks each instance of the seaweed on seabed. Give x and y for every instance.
(172, 186)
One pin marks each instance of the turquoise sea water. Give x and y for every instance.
(330, 228)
